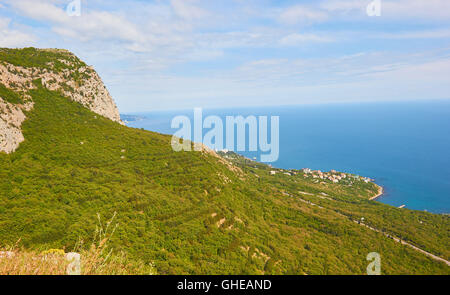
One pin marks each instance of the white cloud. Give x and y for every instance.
(334, 70)
(430, 10)
(301, 14)
(88, 26)
(187, 9)
(422, 9)
(283, 81)
(251, 52)
(298, 39)
(344, 5)
(13, 38)
(428, 34)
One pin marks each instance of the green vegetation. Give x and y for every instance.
(50, 59)
(97, 259)
(190, 212)
(9, 95)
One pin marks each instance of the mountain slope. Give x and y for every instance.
(192, 212)
(58, 70)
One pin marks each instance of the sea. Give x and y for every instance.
(403, 146)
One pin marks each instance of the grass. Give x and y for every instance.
(97, 259)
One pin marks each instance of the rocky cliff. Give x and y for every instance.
(57, 70)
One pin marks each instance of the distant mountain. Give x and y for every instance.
(131, 118)
(66, 157)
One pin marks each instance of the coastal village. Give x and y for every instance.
(318, 176)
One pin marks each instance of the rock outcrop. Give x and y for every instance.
(11, 118)
(75, 80)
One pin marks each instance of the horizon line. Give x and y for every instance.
(286, 105)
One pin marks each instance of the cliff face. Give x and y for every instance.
(11, 118)
(58, 70)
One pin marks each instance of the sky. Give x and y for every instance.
(180, 54)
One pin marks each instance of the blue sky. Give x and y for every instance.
(231, 53)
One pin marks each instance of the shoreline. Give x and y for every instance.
(379, 193)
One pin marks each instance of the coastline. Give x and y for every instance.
(379, 193)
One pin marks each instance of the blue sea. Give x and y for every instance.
(404, 146)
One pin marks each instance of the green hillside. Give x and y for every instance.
(193, 212)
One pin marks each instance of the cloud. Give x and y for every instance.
(428, 34)
(284, 81)
(422, 9)
(395, 10)
(301, 14)
(189, 51)
(186, 9)
(343, 5)
(297, 39)
(88, 26)
(355, 68)
(237, 39)
(13, 38)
